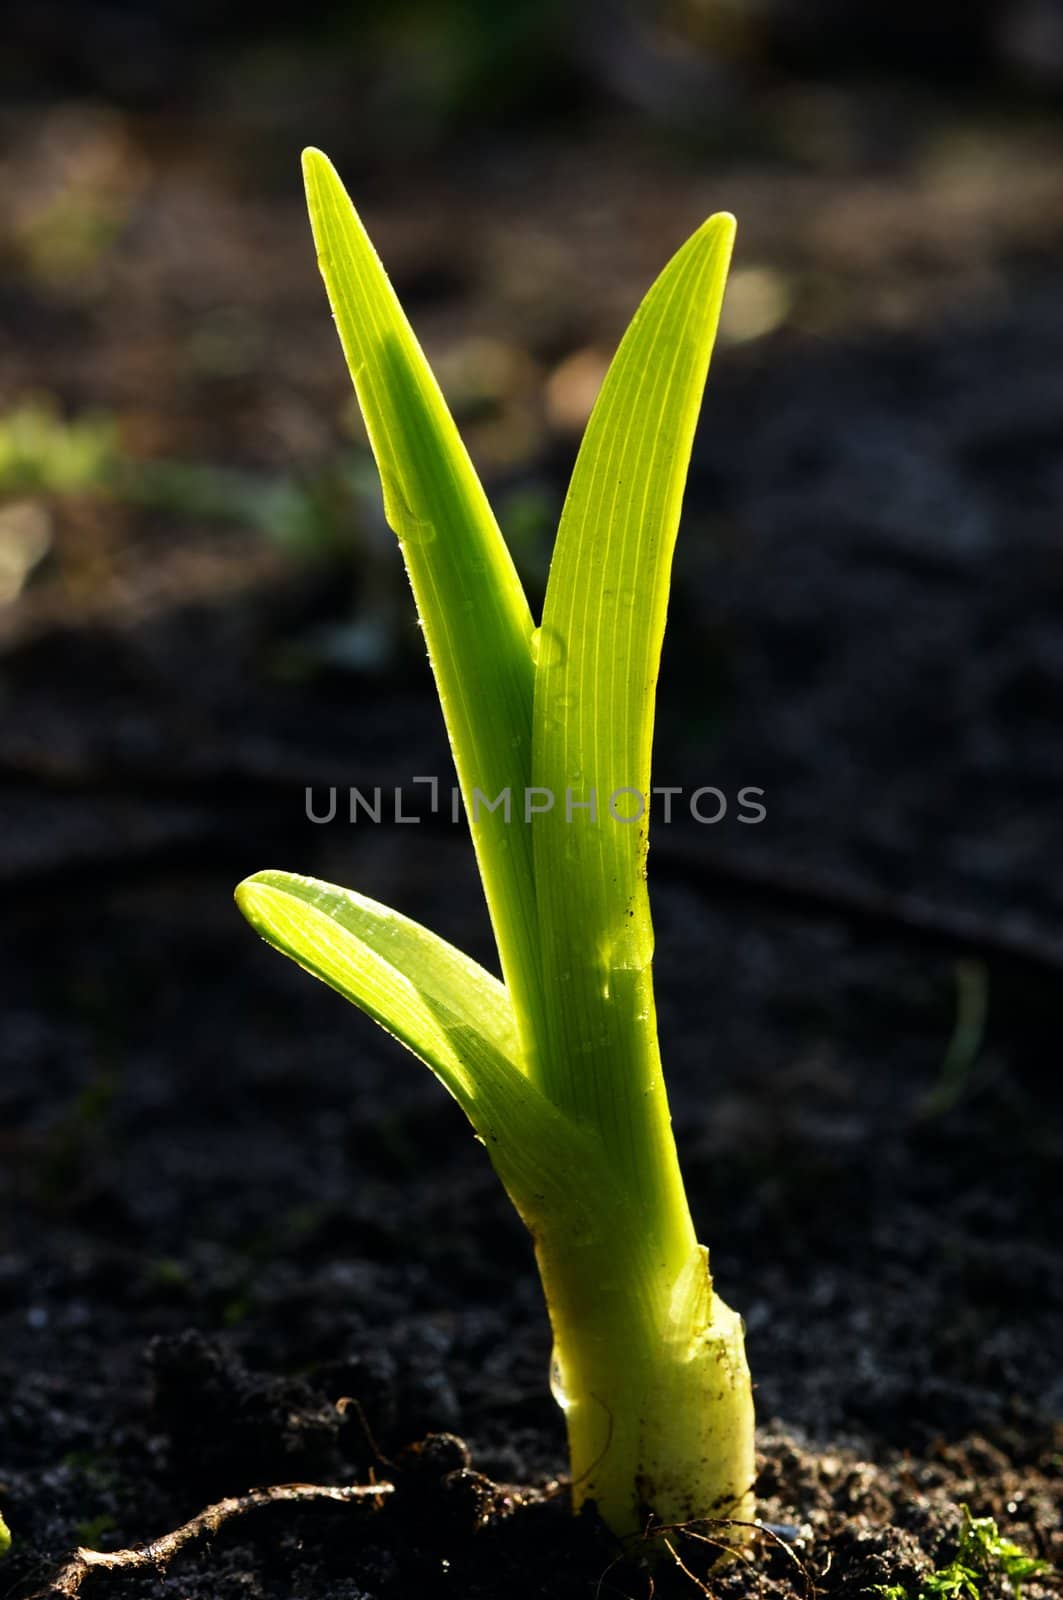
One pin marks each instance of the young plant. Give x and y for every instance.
(983, 1553)
(557, 1067)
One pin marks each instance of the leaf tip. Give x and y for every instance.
(249, 895)
(315, 161)
(718, 231)
(319, 174)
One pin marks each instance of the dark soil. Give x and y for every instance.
(230, 1204)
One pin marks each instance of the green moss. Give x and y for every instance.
(983, 1553)
(983, 1547)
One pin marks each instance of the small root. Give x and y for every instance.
(68, 1580)
(717, 1541)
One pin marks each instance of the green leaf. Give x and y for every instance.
(599, 654)
(982, 1553)
(472, 607)
(443, 1007)
(982, 1545)
(412, 982)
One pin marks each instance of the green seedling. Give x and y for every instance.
(967, 1041)
(983, 1553)
(5, 1538)
(557, 1067)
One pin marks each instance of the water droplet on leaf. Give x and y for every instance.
(547, 648)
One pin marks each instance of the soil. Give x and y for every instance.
(245, 1239)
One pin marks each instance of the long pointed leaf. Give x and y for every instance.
(472, 607)
(443, 1007)
(603, 625)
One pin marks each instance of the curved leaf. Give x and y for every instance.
(443, 1007)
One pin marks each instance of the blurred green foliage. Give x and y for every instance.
(42, 454)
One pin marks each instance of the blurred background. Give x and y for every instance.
(196, 584)
(202, 613)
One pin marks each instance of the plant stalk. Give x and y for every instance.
(651, 1373)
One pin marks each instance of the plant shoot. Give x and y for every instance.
(557, 1065)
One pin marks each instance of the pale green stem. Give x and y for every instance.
(653, 1380)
